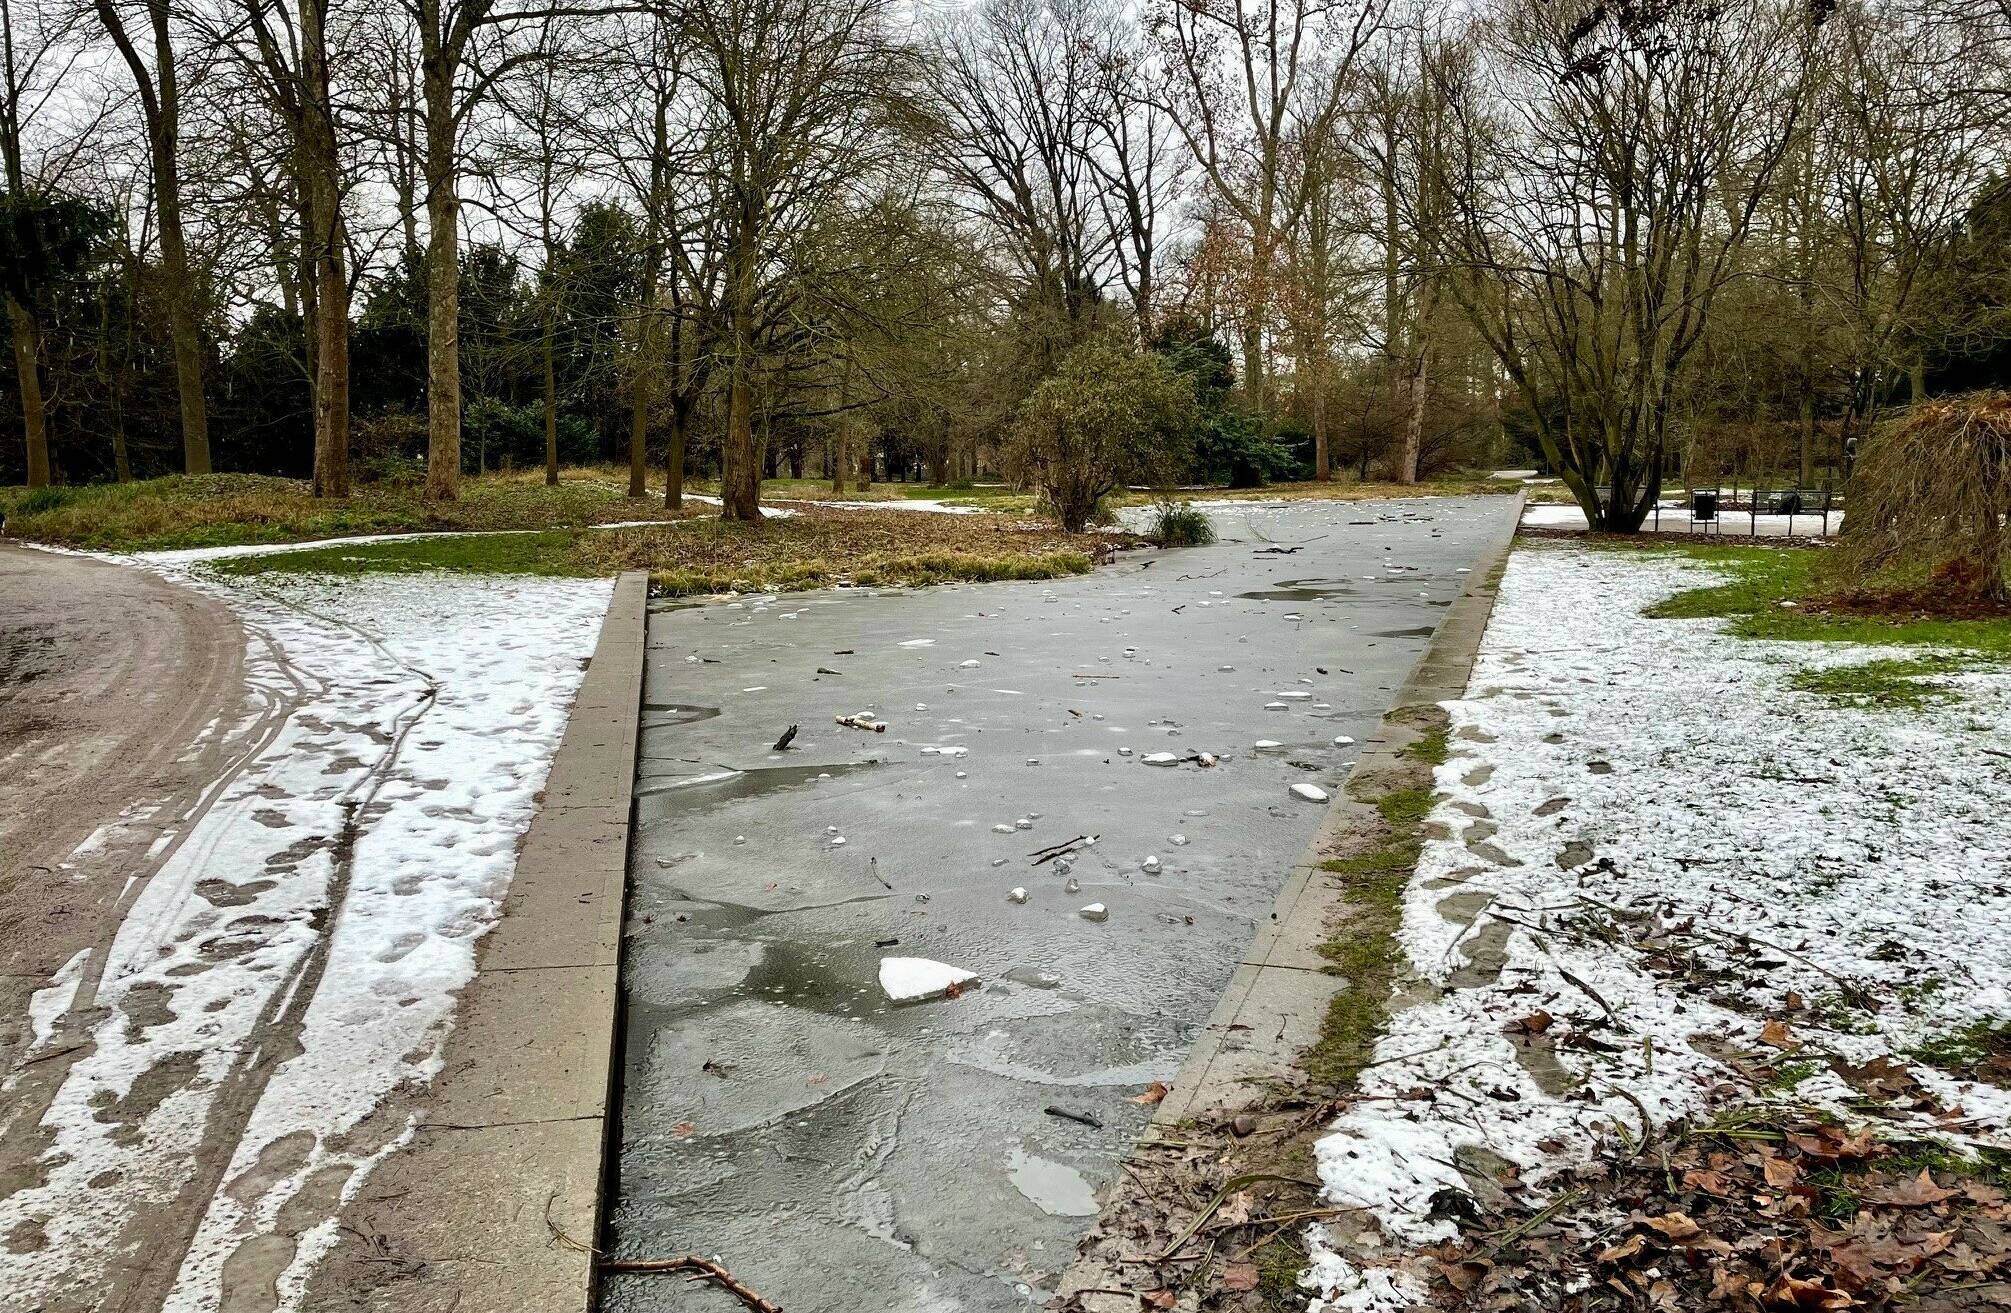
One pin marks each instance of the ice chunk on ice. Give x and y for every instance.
(908, 978)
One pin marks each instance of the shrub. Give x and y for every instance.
(1109, 416)
(1179, 524)
(1930, 493)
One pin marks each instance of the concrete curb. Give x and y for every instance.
(495, 1203)
(1279, 993)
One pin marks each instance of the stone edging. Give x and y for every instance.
(495, 1202)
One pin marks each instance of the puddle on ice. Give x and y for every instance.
(1302, 590)
(1055, 1188)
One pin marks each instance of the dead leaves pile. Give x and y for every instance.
(1751, 1219)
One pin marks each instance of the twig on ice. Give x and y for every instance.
(706, 1270)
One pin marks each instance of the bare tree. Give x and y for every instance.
(802, 99)
(1246, 80)
(156, 78)
(1601, 175)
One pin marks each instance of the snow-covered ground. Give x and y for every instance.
(295, 959)
(1607, 766)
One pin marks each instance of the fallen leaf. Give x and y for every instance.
(1159, 1299)
(1239, 1277)
(1916, 1193)
(1780, 1173)
(1777, 1034)
(683, 1130)
(1154, 1093)
(1534, 1024)
(1623, 1251)
(1675, 1226)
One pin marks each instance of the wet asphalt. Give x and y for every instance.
(840, 1153)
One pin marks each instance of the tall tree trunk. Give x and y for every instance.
(327, 250)
(1413, 443)
(739, 472)
(551, 391)
(443, 265)
(1323, 467)
(331, 383)
(28, 368)
(122, 459)
(638, 431)
(180, 279)
(673, 492)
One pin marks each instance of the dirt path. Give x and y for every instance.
(108, 678)
(122, 704)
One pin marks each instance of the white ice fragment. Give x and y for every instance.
(1342, 740)
(1225, 668)
(1261, 744)
(1062, 866)
(1023, 823)
(1310, 792)
(1001, 828)
(1276, 706)
(1095, 912)
(921, 706)
(1074, 886)
(998, 861)
(1159, 758)
(1016, 896)
(1206, 758)
(1295, 695)
(1149, 864)
(971, 664)
(740, 838)
(908, 978)
(1177, 840)
(837, 841)
(963, 774)
(919, 642)
(1124, 752)
(830, 829)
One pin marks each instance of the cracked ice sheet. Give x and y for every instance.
(430, 706)
(1868, 843)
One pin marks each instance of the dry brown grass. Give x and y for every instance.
(818, 547)
(216, 510)
(1928, 500)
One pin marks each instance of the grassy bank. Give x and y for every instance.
(1784, 593)
(703, 554)
(217, 510)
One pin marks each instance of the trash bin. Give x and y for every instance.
(1703, 507)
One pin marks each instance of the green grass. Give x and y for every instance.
(1374, 879)
(549, 553)
(1762, 579)
(1894, 684)
(1964, 1051)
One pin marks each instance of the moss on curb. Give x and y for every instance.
(1374, 876)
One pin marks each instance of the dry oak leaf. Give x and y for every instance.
(1674, 1226)
(1158, 1299)
(1239, 1277)
(1154, 1092)
(1916, 1193)
(1780, 1173)
(1777, 1034)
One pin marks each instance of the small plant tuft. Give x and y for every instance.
(1180, 524)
